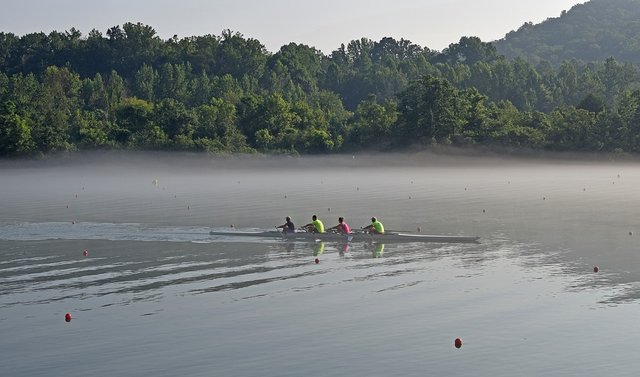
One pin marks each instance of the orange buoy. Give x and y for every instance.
(458, 343)
(596, 269)
(67, 317)
(317, 260)
(85, 252)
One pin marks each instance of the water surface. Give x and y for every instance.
(157, 296)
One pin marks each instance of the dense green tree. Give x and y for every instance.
(239, 56)
(591, 103)
(469, 50)
(429, 111)
(372, 123)
(173, 118)
(15, 134)
(134, 114)
(145, 82)
(92, 130)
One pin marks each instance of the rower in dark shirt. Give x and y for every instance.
(288, 226)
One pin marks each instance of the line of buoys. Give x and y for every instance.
(457, 343)
(67, 317)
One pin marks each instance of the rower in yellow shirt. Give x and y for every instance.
(315, 226)
(376, 226)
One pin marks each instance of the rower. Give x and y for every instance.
(376, 227)
(315, 226)
(288, 226)
(342, 226)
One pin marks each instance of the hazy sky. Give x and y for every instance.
(324, 24)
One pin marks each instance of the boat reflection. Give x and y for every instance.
(318, 249)
(376, 249)
(344, 248)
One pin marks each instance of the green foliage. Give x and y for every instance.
(430, 111)
(592, 31)
(372, 123)
(15, 134)
(131, 89)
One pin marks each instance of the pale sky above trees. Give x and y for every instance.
(321, 24)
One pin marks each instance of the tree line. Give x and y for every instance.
(129, 89)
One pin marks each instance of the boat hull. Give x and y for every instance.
(354, 237)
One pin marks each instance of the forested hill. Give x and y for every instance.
(130, 89)
(591, 31)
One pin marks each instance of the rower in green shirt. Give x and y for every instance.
(375, 227)
(315, 226)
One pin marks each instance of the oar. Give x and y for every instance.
(282, 234)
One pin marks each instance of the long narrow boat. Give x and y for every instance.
(354, 237)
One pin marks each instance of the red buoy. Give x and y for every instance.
(458, 343)
(596, 269)
(317, 260)
(67, 317)
(85, 252)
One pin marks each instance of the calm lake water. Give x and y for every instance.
(157, 296)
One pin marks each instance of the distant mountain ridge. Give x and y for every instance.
(592, 31)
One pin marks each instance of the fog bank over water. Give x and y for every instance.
(439, 156)
(580, 204)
